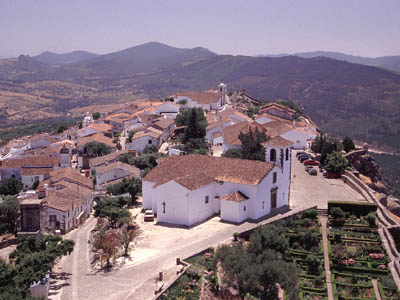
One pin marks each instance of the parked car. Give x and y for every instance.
(304, 158)
(308, 168)
(312, 172)
(311, 162)
(300, 153)
(324, 173)
(148, 215)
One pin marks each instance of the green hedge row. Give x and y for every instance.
(356, 208)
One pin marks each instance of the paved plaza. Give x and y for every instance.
(158, 246)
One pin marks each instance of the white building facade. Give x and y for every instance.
(235, 189)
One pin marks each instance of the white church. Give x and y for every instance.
(186, 190)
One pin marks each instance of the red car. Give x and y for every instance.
(310, 162)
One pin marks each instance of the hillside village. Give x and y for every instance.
(150, 162)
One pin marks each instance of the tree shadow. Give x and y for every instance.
(58, 281)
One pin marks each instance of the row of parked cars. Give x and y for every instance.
(309, 162)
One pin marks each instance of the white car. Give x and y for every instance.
(148, 215)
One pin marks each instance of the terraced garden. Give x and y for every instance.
(357, 255)
(357, 258)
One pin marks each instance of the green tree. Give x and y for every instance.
(130, 135)
(336, 163)
(98, 149)
(268, 237)
(194, 129)
(9, 213)
(233, 153)
(252, 111)
(111, 209)
(200, 151)
(251, 144)
(61, 128)
(132, 185)
(33, 258)
(290, 104)
(127, 238)
(96, 115)
(150, 149)
(10, 186)
(314, 263)
(348, 144)
(183, 118)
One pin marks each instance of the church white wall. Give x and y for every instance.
(148, 198)
(176, 199)
(298, 138)
(199, 210)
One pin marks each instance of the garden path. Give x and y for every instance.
(375, 284)
(324, 221)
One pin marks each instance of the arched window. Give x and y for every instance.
(287, 153)
(272, 155)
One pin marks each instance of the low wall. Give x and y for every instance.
(9, 242)
(371, 196)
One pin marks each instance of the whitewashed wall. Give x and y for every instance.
(140, 143)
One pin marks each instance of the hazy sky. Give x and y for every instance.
(358, 27)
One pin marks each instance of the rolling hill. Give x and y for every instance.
(51, 58)
(149, 57)
(385, 62)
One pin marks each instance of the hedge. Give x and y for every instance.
(356, 208)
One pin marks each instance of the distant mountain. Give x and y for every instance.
(51, 58)
(149, 57)
(385, 62)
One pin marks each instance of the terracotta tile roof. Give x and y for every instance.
(118, 165)
(278, 107)
(200, 97)
(76, 190)
(100, 160)
(45, 137)
(61, 200)
(231, 133)
(31, 161)
(70, 174)
(277, 128)
(141, 134)
(220, 123)
(194, 171)
(35, 171)
(101, 127)
(230, 111)
(236, 197)
(98, 137)
(278, 141)
(163, 123)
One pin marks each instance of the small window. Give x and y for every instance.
(274, 177)
(244, 208)
(287, 153)
(150, 142)
(206, 200)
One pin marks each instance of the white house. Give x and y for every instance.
(41, 141)
(167, 109)
(188, 189)
(208, 100)
(113, 172)
(141, 140)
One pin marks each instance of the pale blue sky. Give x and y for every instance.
(358, 27)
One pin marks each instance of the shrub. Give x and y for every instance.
(371, 219)
(313, 262)
(311, 213)
(337, 213)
